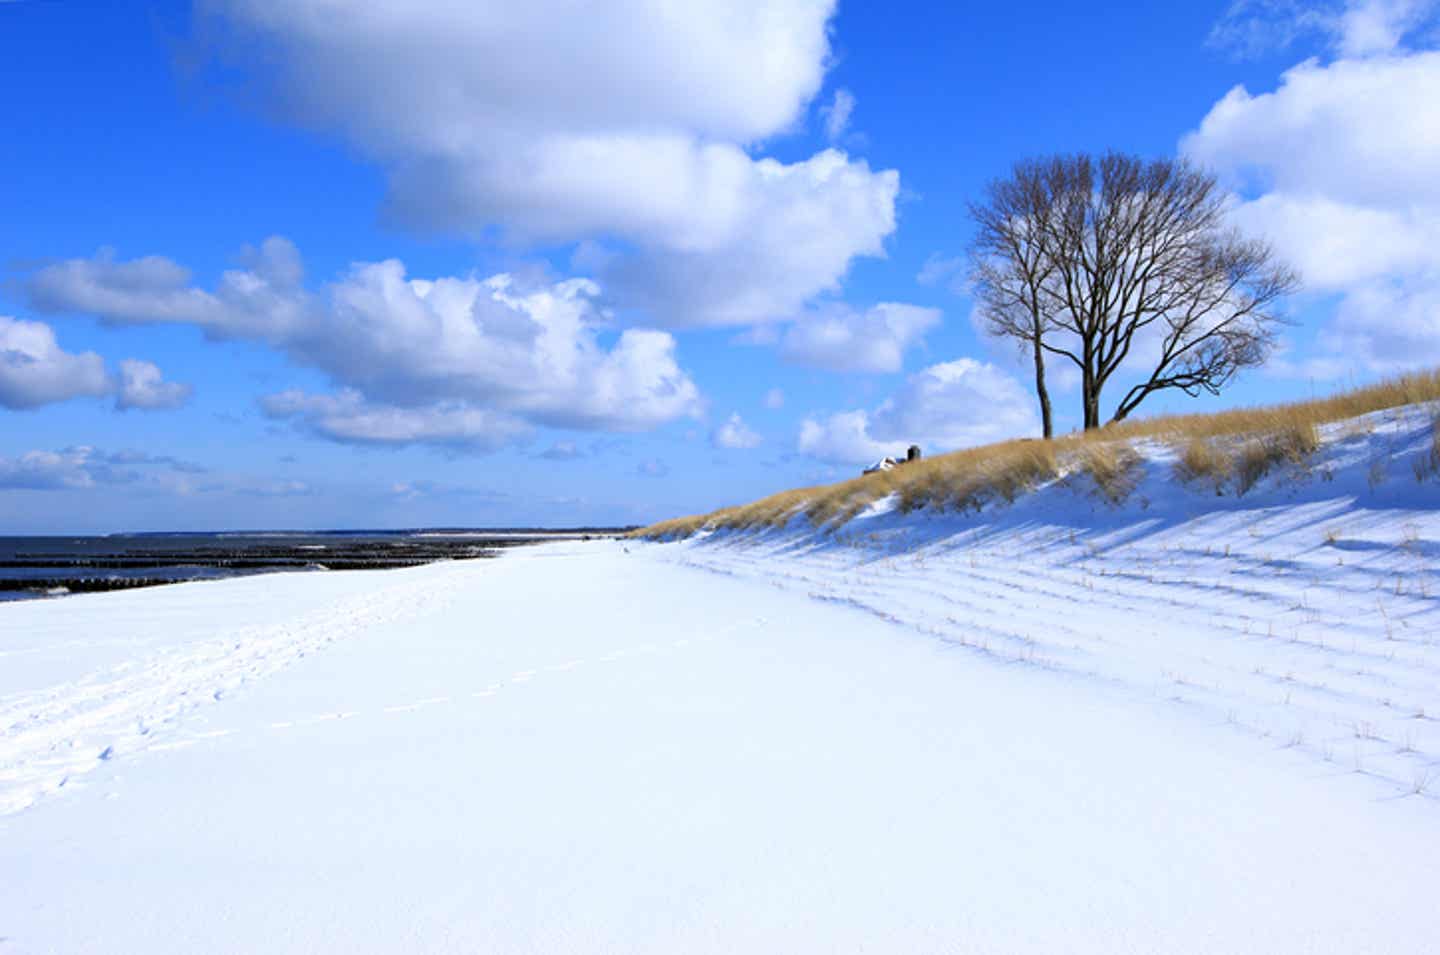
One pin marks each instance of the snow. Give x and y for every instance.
(1188, 723)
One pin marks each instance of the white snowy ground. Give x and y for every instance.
(1190, 724)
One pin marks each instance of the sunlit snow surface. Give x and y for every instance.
(1190, 723)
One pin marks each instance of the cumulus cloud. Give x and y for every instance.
(1353, 131)
(35, 370)
(451, 360)
(842, 438)
(734, 434)
(143, 386)
(263, 301)
(789, 234)
(462, 106)
(842, 338)
(953, 405)
(1336, 169)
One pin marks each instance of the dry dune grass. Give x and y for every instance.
(1114, 466)
(1230, 449)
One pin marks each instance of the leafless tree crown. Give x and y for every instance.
(1116, 260)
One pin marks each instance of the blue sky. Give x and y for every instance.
(268, 265)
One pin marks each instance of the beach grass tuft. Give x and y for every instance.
(1227, 451)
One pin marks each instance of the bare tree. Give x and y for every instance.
(1125, 259)
(1010, 267)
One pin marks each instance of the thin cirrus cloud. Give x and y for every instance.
(35, 371)
(70, 468)
(82, 467)
(461, 362)
(1353, 28)
(944, 407)
(1336, 167)
(838, 113)
(348, 418)
(475, 130)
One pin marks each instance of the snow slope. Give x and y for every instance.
(1190, 726)
(1305, 612)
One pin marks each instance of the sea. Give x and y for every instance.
(47, 567)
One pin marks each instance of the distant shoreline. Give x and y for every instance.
(56, 566)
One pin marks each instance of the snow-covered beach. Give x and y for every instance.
(1186, 724)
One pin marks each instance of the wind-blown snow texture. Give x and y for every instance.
(1190, 723)
(1306, 612)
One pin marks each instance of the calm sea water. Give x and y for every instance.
(48, 558)
(33, 567)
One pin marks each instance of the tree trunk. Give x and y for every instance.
(1092, 406)
(1042, 391)
(1090, 394)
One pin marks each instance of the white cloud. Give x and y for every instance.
(1337, 245)
(1379, 26)
(784, 234)
(842, 438)
(734, 434)
(263, 301)
(1353, 131)
(35, 370)
(464, 107)
(86, 467)
(774, 399)
(47, 470)
(1255, 27)
(837, 114)
(348, 418)
(948, 271)
(1353, 27)
(738, 71)
(433, 360)
(143, 386)
(842, 338)
(945, 407)
(1385, 326)
(415, 490)
(1337, 164)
